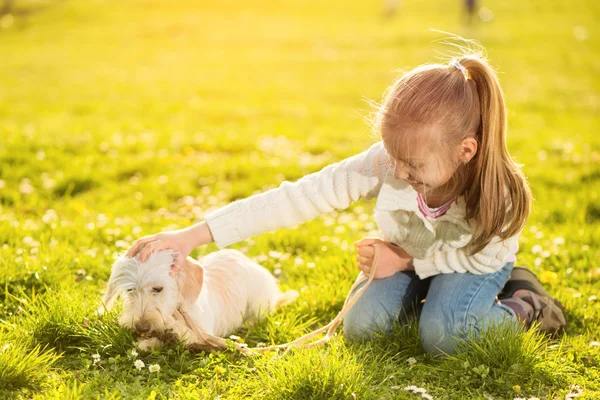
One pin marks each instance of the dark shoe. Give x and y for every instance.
(547, 311)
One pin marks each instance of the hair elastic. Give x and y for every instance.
(461, 67)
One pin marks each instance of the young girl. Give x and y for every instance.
(450, 205)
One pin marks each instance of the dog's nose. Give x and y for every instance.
(142, 326)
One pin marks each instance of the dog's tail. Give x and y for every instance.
(285, 298)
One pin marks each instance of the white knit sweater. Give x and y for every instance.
(437, 245)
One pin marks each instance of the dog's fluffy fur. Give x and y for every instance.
(219, 292)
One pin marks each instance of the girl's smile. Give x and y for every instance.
(425, 173)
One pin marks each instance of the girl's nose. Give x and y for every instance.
(400, 172)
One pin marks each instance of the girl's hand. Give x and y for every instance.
(391, 258)
(182, 241)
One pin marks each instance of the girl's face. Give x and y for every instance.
(430, 166)
(425, 173)
(427, 170)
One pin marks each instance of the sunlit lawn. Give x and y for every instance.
(120, 119)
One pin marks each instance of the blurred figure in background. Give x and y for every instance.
(389, 8)
(7, 6)
(471, 10)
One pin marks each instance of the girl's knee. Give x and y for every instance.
(433, 337)
(364, 323)
(356, 327)
(441, 336)
(378, 308)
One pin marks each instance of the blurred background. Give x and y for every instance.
(123, 118)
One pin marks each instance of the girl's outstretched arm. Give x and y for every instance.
(334, 187)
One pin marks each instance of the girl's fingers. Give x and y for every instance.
(158, 245)
(364, 260)
(149, 249)
(368, 241)
(364, 268)
(138, 244)
(366, 251)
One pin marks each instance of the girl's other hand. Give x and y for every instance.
(391, 258)
(182, 241)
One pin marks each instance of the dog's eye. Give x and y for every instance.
(157, 289)
(129, 290)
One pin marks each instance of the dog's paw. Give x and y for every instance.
(149, 344)
(197, 347)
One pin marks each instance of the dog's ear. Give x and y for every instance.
(190, 279)
(107, 300)
(111, 291)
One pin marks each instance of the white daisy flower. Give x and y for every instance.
(154, 368)
(275, 254)
(134, 353)
(261, 258)
(96, 356)
(412, 361)
(546, 254)
(25, 187)
(139, 364)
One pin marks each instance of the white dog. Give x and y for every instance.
(219, 292)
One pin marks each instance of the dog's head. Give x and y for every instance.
(152, 290)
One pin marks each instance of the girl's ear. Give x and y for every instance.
(189, 278)
(467, 149)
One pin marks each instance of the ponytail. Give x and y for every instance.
(498, 201)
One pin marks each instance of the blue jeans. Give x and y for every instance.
(455, 305)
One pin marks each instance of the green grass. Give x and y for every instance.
(120, 119)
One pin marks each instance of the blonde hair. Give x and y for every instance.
(460, 103)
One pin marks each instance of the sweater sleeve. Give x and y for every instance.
(334, 187)
(490, 259)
